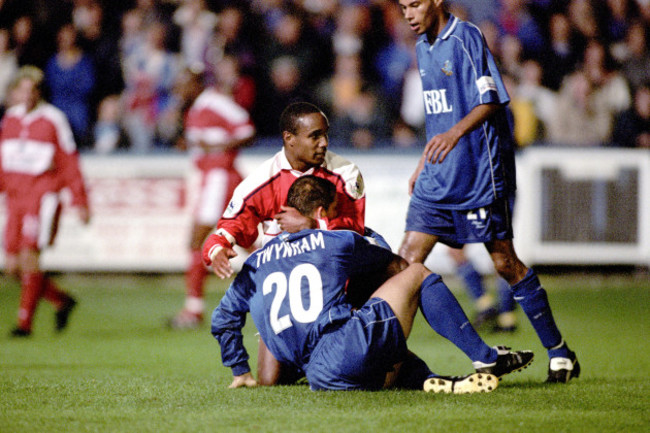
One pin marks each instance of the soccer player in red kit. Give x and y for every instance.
(38, 159)
(215, 128)
(260, 199)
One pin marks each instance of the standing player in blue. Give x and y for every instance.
(462, 189)
(294, 288)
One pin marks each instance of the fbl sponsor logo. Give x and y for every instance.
(435, 101)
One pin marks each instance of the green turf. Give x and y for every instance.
(116, 369)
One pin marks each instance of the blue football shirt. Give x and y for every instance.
(459, 73)
(294, 288)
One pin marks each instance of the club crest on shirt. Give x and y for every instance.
(423, 72)
(359, 186)
(446, 68)
(233, 207)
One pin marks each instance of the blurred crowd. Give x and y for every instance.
(125, 73)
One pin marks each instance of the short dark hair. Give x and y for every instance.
(291, 114)
(309, 192)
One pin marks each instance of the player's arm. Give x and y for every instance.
(228, 321)
(68, 167)
(240, 229)
(440, 145)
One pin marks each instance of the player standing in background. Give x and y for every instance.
(38, 158)
(294, 288)
(465, 178)
(215, 128)
(260, 199)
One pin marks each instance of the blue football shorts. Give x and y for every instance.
(458, 227)
(358, 354)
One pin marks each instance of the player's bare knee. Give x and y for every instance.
(510, 268)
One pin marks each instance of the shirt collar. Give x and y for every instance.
(446, 32)
(449, 28)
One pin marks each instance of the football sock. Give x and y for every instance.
(506, 301)
(445, 315)
(412, 373)
(532, 297)
(473, 280)
(31, 290)
(195, 275)
(53, 294)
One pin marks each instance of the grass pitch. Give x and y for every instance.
(117, 369)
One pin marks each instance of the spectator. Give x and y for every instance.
(577, 119)
(617, 20)
(635, 55)
(30, 48)
(395, 59)
(525, 122)
(149, 73)
(8, 67)
(510, 55)
(290, 38)
(611, 91)
(644, 9)
(337, 92)
(70, 78)
(515, 20)
(229, 37)
(409, 130)
(98, 39)
(562, 53)
(197, 23)
(365, 125)
(632, 127)
(543, 99)
(231, 81)
(582, 16)
(107, 131)
(284, 88)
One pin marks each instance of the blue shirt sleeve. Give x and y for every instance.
(488, 86)
(229, 318)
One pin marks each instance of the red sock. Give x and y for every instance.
(195, 275)
(53, 294)
(31, 291)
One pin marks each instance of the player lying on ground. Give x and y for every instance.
(294, 288)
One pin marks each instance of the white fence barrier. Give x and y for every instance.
(142, 210)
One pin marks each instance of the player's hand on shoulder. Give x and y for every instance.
(290, 220)
(245, 380)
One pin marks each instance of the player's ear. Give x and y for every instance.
(287, 137)
(319, 212)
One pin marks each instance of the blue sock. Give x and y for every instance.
(447, 318)
(413, 373)
(473, 280)
(506, 301)
(530, 294)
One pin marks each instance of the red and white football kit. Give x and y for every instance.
(38, 159)
(260, 197)
(212, 123)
